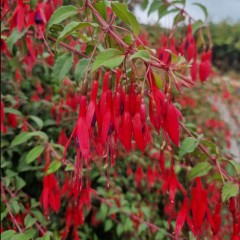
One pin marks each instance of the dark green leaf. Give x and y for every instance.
(20, 183)
(101, 8)
(199, 170)
(229, 189)
(53, 167)
(34, 154)
(72, 27)
(188, 146)
(125, 15)
(109, 58)
(61, 14)
(102, 214)
(62, 66)
(80, 69)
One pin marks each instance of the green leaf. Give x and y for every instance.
(61, 14)
(80, 69)
(188, 145)
(229, 189)
(53, 167)
(101, 8)
(15, 206)
(37, 120)
(199, 170)
(154, 6)
(7, 234)
(29, 221)
(21, 138)
(34, 153)
(72, 27)
(12, 110)
(179, 18)
(124, 14)
(102, 214)
(20, 183)
(143, 54)
(108, 225)
(235, 165)
(14, 37)
(62, 66)
(204, 9)
(30, 233)
(196, 26)
(109, 58)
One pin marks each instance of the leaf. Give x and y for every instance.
(154, 6)
(196, 26)
(37, 120)
(61, 14)
(12, 110)
(229, 189)
(109, 58)
(62, 66)
(108, 225)
(53, 167)
(14, 37)
(143, 54)
(34, 154)
(20, 183)
(124, 14)
(199, 170)
(21, 138)
(204, 9)
(15, 206)
(80, 69)
(102, 214)
(72, 27)
(235, 165)
(101, 8)
(158, 80)
(7, 234)
(29, 221)
(179, 18)
(188, 145)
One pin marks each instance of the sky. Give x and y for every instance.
(218, 10)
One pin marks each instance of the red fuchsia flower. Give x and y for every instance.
(18, 17)
(205, 66)
(51, 194)
(198, 204)
(3, 128)
(139, 175)
(12, 120)
(62, 138)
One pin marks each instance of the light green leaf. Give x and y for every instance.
(34, 154)
(7, 235)
(72, 27)
(101, 8)
(29, 221)
(109, 58)
(188, 146)
(158, 80)
(154, 6)
(235, 165)
(102, 214)
(143, 54)
(61, 14)
(37, 120)
(199, 170)
(12, 110)
(21, 138)
(196, 26)
(15, 206)
(108, 225)
(20, 183)
(204, 9)
(80, 69)
(229, 189)
(14, 37)
(53, 167)
(124, 14)
(62, 66)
